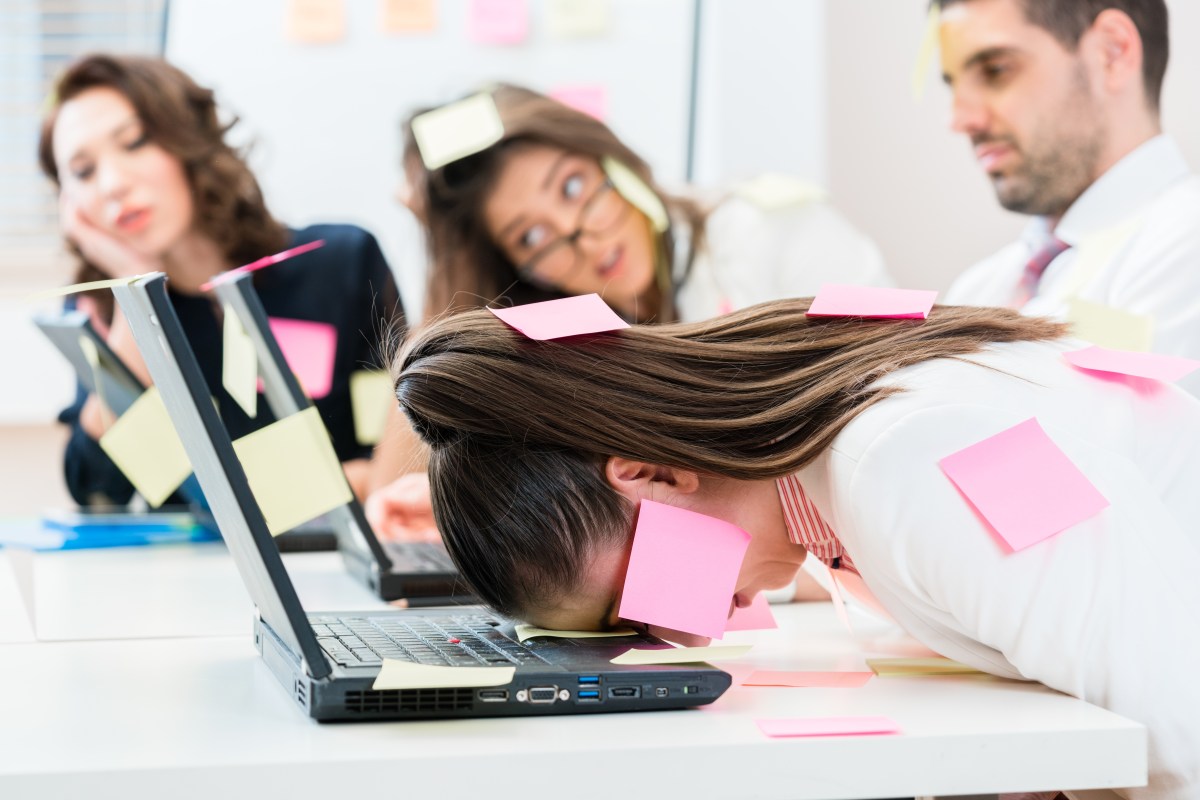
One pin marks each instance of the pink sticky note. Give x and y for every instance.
(265, 261)
(755, 617)
(309, 349)
(590, 99)
(1023, 485)
(682, 570)
(839, 300)
(498, 21)
(812, 680)
(555, 319)
(1156, 366)
(828, 726)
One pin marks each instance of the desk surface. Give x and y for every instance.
(197, 717)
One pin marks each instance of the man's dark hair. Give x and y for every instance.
(1066, 21)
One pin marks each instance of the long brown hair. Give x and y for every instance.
(466, 268)
(520, 429)
(181, 117)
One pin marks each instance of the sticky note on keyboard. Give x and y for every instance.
(529, 632)
(828, 726)
(293, 470)
(144, 446)
(1155, 366)
(371, 397)
(395, 674)
(309, 349)
(682, 570)
(841, 300)
(557, 319)
(1023, 485)
(682, 655)
(809, 680)
(911, 667)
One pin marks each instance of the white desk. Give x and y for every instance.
(202, 717)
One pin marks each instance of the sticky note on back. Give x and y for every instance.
(239, 364)
(557, 319)
(1155, 366)
(407, 675)
(293, 470)
(1023, 485)
(309, 349)
(370, 398)
(457, 130)
(1110, 327)
(682, 570)
(144, 446)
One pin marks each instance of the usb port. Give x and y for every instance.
(589, 695)
(624, 691)
(493, 695)
(589, 680)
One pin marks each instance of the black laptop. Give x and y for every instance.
(420, 573)
(328, 663)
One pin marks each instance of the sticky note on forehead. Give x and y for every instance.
(841, 300)
(457, 130)
(1024, 486)
(557, 319)
(683, 570)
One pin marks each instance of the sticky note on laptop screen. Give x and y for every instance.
(239, 364)
(1110, 327)
(293, 470)
(458, 130)
(843, 300)
(1023, 485)
(557, 319)
(683, 568)
(309, 349)
(144, 446)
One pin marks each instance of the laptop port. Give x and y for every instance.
(543, 694)
(624, 691)
(589, 680)
(661, 691)
(588, 695)
(493, 695)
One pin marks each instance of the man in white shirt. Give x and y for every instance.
(1060, 99)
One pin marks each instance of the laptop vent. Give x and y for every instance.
(409, 701)
(302, 694)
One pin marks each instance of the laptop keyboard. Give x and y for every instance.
(448, 641)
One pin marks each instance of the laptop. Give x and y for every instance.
(420, 573)
(328, 663)
(119, 387)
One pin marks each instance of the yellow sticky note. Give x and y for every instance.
(75, 288)
(637, 192)
(316, 21)
(145, 447)
(929, 40)
(773, 191)
(919, 666)
(458, 130)
(239, 364)
(408, 16)
(293, 470)
(529, 631)
(573, 19)
(93, 358)
(683, 655)
(371, 396)
(1110, 327)
(406, 675)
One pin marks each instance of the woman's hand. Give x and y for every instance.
(107, 252)
(402, 511)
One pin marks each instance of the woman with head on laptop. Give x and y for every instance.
(827, 435)
(148, 183)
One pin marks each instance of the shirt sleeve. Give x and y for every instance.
(1105, 611)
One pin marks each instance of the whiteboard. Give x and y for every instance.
(325, 118)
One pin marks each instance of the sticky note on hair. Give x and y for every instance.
(239, 364)
(145, 447)
(498, 21)
(293, 470)
(809, 680)
(529, 632)
(682, 655)
(682, 570)
(916, 667)
(557, 319)
(457, 130)
(1155, 366)
(841, 300)
(371, 396)
(828, 726)
(1110, 327)
(636, 192)
(771, 191)
(1023, 485)
(573, 19)
(590, 99)
(309, 349)
(408, 16)
(397, 674)
(755, 617)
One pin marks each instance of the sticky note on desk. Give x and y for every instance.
(397, 674)
(144, 446)
(498, 21)
(877, 302)
(239, 364)
(529, 632)
(293, 470)
(1023, 485)
(1155, 366)
(1110, 327)
(309, 349)
(828, 726)
(682, 570)
(557, 319)
(809, 680)
(911, 667)
(454, 131)
(682, 655)
(371, 395)
(573, 19)
(755, 617)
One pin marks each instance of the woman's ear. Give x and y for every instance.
(640, 480)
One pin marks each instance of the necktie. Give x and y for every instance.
(1027, 287)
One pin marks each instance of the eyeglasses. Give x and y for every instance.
(559, 258)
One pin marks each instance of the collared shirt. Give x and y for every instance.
(807, 528)
(1150, 201)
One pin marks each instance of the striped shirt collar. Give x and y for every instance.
(806, 526)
